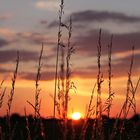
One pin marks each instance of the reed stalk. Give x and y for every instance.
(37, 89)
(61, 88)
(128, 93)
(98, 113)
(90, 113)
(70, 51)
(110, 95)
(2, 94)
(12, 92)
(11, 96)
(61, 12)
(130, 100)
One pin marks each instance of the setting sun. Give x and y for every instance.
(76, 116)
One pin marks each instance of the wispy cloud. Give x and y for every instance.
(53, 24)
(10, 55)
(87, 43)
(92, 16)
(36, 38)
(3, 42)
(47, 5)
(31, 76)
(120, 68)
(101, 16)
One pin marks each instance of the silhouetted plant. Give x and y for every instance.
(2, 93)
(98, 113)
(37, 89)
(59, 43)
(10, 98)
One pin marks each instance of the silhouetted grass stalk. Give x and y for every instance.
(61, 12)
(2, 93)
(61, 87)
(133, 100)
(10, 97)
(90, 110)
(98, 113)
(130, 101)
(110, 94)
(132, 89)
(37, 89)
(90, 113)
(128, 93)
(70, 51)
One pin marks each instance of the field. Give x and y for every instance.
(97, 123)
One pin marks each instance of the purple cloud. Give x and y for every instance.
(101, 16)
(90, 16)
(10, 55)
(3, 42)
(87, 43)
(32, 76)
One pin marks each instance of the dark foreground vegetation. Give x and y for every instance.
(29, 128)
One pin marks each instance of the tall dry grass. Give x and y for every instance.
(98, 113)
(2, 93)
(59, 43)
(37, 88)
(10, 99)
(63, 85)
(129, 103)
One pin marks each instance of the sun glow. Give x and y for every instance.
(76, 116)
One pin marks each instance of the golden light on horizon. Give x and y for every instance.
(76, 116)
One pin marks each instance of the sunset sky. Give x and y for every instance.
(25, 24)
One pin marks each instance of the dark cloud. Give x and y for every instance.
(10, 55)
(101, 16)
(53, 24)
(119, 69)
(32, 76)
(3, 42)
(87, 43)
(90, 16)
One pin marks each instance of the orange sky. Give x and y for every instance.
(79, 101)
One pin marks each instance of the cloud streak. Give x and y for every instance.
(91, 16)
(10, 55)
(3, 42)
(36, 38)
(87, 43)
(32, 76)
(119, 69)
(101, 16)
